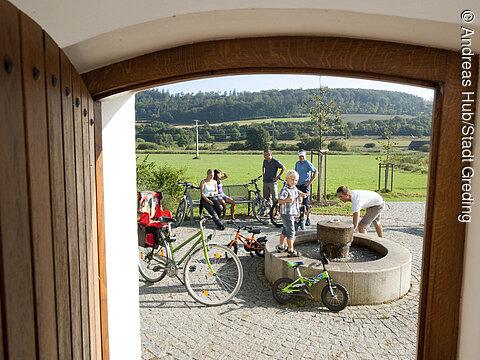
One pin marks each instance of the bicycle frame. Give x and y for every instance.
(296, 285)
(200, 239)
(245, 240)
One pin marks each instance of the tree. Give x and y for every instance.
(386, 154)
(257, 138)
(165, 140)
(387, 146)
(325, 115)
(235, 135)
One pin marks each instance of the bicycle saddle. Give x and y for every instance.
(165, 219)
(294, 264)
(254, 231)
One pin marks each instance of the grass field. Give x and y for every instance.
(356, 143)
(345, 117)
(355, 171)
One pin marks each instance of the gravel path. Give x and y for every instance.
(254, 326)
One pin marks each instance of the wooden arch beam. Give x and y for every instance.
(441, 69)
(303, 55)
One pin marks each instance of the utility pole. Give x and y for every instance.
(196, 132)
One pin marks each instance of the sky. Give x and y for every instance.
(254, 83)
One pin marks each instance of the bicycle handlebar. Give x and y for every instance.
(239, 227)
(204, 219)
(187, 184)
(255, 180)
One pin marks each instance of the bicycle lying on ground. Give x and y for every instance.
(212, 273)
(261, 206)
(250, 244)
(183, 203)
(334, 296)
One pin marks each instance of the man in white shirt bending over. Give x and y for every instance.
(364, 199)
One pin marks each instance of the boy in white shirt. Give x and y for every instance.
(364, 199)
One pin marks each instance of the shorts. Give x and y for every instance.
(222, 196)
(270, 190)
(372, 215)
(288, 226)
(305, 189)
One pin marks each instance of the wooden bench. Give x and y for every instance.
(240, 193)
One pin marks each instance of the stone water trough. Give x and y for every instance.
(370, 282)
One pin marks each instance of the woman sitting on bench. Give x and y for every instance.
(218, 176)
(209, 201)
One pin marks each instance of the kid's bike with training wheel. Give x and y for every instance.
(250, 244)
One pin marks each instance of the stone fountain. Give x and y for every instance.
(376, 281)
(335, 238)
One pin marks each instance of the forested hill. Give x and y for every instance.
(153, 105)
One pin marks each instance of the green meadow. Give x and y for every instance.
(354, 171)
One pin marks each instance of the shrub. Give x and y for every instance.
(236, 146)
(338, 145)
(425, 148)
(147, 146)
(161, 178)
(309, 142)
(139, 140)
(369, 145)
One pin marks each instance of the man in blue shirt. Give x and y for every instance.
(307, 174)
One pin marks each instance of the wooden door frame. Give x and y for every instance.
(443, 249)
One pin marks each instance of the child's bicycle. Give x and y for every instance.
(249, 243)
(334, 295)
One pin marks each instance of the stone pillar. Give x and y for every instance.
(335, 238)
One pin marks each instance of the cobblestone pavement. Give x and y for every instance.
(255, 326)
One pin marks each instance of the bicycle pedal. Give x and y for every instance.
(306, 292)
(192, 268)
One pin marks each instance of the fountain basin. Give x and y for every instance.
(370, 282)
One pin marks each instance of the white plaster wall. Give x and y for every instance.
(118, 114)
(469, 344)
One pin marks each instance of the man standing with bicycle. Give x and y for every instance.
(307, 174)
(270, 178)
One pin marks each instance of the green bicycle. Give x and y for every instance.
(212, 273)
(334, 295)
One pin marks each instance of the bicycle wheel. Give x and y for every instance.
(261, 210)
(152, 262)
(261, 244)
(338, 301)
(219, 287)
(181, 211)
(275, 217)
(233, 245)
(282, 297)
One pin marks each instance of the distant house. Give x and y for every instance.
(417, 144)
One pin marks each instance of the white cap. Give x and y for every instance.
(302, 153)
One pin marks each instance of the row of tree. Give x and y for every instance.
(154, 105)
(256, 136)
